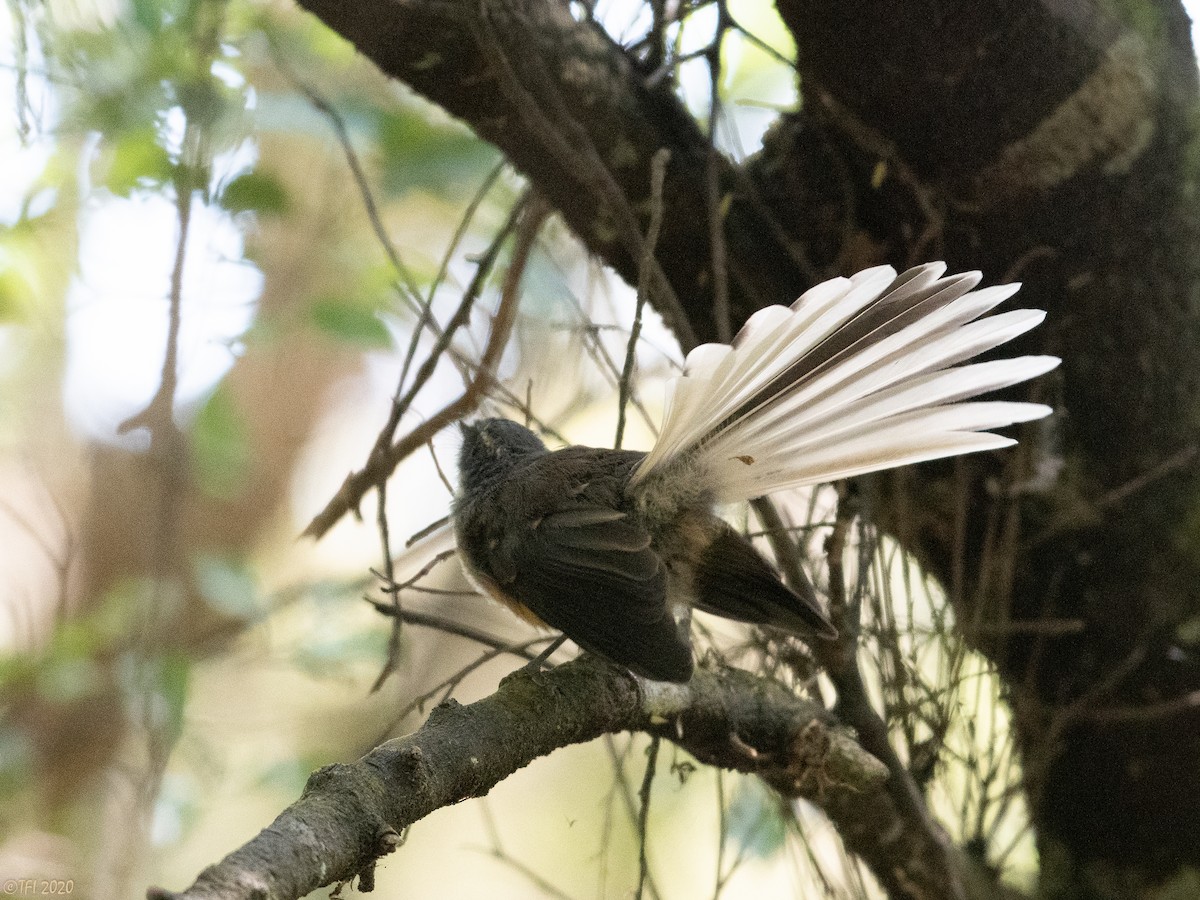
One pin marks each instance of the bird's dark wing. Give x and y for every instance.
(590, 572)
(734, 581)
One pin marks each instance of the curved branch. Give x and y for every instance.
(389, 453)
(569, 109)
(351, 815)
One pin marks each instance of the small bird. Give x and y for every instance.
(612, 547)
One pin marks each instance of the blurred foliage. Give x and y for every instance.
(255, 192)
(172, 655)
(417, 154)
(355, 323)
(754, 822)
(220, 448)
(14, 287)
(138, 160)
(230, 586)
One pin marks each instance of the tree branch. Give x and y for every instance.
(389, 453)
(569, 109)
(351, 815)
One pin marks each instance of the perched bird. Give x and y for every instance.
(612, 546)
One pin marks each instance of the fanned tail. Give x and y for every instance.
(859, 374)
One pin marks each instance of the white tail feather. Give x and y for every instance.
(854, 377)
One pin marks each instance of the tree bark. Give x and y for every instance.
(1055, 145)
(351, 815)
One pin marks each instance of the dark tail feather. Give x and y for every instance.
(735, 582)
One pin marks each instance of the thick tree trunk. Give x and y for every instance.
(1055, 146)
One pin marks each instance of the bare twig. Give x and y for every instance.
(389, 577)
(658, 173)
(1132, 715)
(449, 626)
(384, 461)
(459, 233)
(713, 200)
(854, 707)
(644, 814)
(448, 685)
(497, 851)
(327, 109)
(565, 139)
(401, 404)
(462, 315)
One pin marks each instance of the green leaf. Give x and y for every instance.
(443, 159)
(138, 161)
(220, 446)
(229, 586)
(65, 679)
(174, 675)
(351, 322)
(107, 624)
(14, 294)
(753, 820)
(328, 653)
(255, 192)
(147, 14)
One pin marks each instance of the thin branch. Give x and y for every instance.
(449, 626)
(714, 202)
(1133, 715)
(342, 133)
(400, 405)
(448, 685)
(456, 239)
(644, 814)
(658, 173)
(389, 578)
(462, 315)
(497, 851)
(393, 587)
(620, 788)
(928, 850)
(383, 462)
(564, 138)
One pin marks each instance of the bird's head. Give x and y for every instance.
(491, 446)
